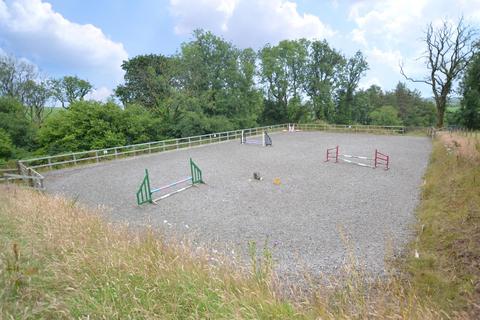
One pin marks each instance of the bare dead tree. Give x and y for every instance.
(449, 50)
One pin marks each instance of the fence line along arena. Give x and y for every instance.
(298, 207)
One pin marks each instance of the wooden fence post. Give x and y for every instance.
(30, 180)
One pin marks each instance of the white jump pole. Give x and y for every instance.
(172, 193)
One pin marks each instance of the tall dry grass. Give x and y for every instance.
(448, 231)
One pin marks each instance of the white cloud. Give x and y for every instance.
(391, 22)
(358, 36)
(209, 14)
(100, 94)
(366, 83)
(3, 11)
(248, 23)
(390, 58)
(33, 29)
(388, 20)
(391, 31)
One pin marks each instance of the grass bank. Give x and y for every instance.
(445, 264)
(59, 260)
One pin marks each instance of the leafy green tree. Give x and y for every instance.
(85, 125)
(14, 123)
(385, 116)
(149, 80)
(140, 125)
(6, 147)
(412, 108)
(421, 114)
(219, 76)
(350, 76)
(366, 101)
(283, 72)
(470, 103)
(376, 97)
(219, 124)
(274, 77)
(403, 98)
(453, 117)
(295, 53)
(193, 123)
(37, 95)
(361, 108)
(208, 76)
(274, 112)
(323, 68)
(70, 89)
(298, 112)
(14, 74)
(248, 100)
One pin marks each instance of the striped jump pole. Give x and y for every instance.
(332, 153)
(379, 159)
(145, 192)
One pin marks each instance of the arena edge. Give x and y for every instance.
(53, 162)
(444, 263)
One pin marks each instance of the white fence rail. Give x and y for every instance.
(351, 128)
(75, 158)
(27, 169)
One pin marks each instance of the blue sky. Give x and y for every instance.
(92, 38)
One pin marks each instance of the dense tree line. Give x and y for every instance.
(469, 113)
(210, 85)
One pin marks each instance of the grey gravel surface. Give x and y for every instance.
(302, 219)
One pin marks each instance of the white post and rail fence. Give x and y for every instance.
(28, 170)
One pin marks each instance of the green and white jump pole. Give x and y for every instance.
(145, 192)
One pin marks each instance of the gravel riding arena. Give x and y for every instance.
(303, 217)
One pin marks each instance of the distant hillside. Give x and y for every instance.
(451, 100)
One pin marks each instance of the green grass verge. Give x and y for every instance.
(447, 269)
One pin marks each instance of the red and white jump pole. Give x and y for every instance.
(332, 153)
(380, 159)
